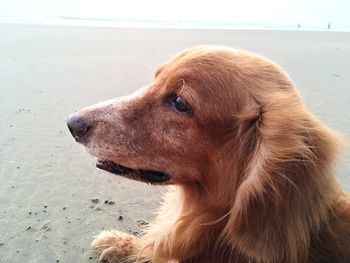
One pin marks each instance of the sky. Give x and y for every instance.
(311, 12)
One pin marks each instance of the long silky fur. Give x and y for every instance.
(283, 192)
(269, 192)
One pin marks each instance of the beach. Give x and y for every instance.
(53, 200)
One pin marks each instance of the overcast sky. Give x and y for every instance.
(255, 11)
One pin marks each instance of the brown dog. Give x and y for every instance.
(251, 169)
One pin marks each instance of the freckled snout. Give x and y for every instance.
(78, 126)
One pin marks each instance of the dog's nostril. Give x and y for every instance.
(78, 126)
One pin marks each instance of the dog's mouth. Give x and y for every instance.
(147, 176)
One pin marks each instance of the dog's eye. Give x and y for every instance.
(180, 104)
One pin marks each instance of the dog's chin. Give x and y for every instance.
(146, 176)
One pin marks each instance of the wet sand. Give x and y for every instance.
(52, 198)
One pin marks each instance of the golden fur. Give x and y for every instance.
(251, 168)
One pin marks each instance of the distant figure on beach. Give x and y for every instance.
(329, 25)
(298, 26)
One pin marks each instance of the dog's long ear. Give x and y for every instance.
(285, 180)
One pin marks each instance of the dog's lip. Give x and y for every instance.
(147, 176)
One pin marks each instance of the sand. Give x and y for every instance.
(52, 198)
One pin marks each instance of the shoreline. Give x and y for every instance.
(165, 26)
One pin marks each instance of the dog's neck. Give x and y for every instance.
(283, 226)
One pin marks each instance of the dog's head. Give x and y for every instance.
(203, 103)
(170, 131)
(210, 111)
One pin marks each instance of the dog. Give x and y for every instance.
(250, 170)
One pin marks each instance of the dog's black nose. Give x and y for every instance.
(78, 126)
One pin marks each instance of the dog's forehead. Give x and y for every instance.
(199, 83)
(204, 76)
